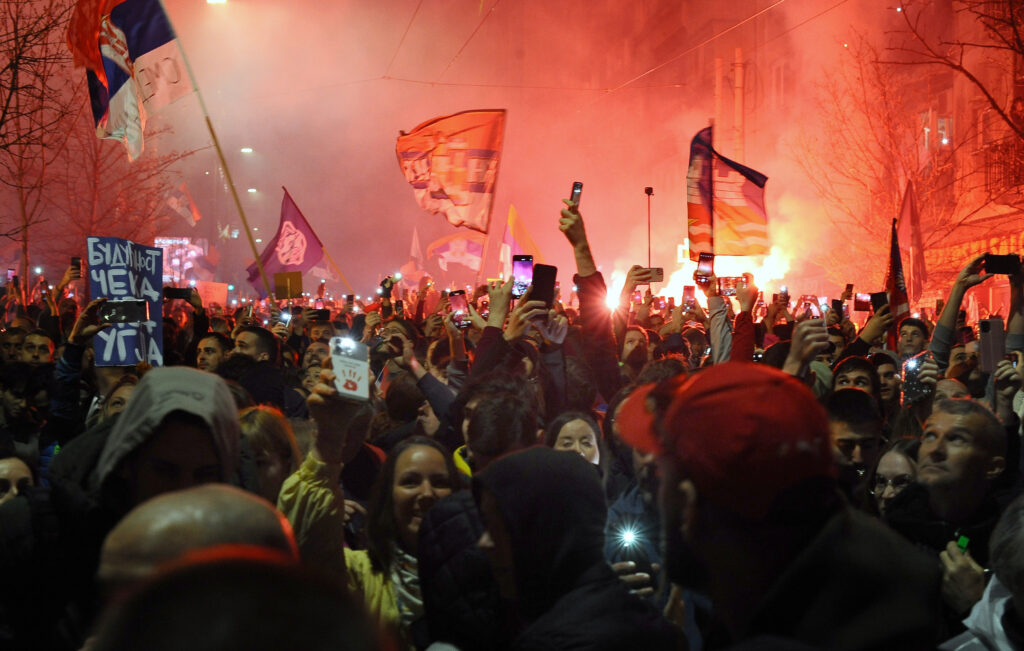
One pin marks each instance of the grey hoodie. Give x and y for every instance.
(162, 391)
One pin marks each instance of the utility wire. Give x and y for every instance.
(478, 26)
(402, 41)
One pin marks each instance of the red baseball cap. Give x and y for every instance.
(743, 433)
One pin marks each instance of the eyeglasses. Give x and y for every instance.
(898, 483)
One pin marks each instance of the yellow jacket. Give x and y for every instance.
(312, 500)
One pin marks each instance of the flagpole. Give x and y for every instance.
(711, 180)
(335, 265)
(487, 246)
(220, 155)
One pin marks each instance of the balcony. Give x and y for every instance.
(1003, 165)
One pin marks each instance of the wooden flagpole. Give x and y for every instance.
(220, 156)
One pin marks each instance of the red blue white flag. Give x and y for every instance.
(133, 64)
(896, 287)
(463, 248)
(725, 203)
(452, 164)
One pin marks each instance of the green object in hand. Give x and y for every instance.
(962, 543)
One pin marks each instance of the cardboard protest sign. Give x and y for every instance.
(120, 270)
(288, 284)
(212, 292)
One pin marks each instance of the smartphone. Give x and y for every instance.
(878, 301)
(705, 267)
(76, 262)
(654, 274)
(351, 362)
(849, 289)
(638, 297)
(522, 274)
(577, 190)
(631, 549)
(127, 311)
(991, 344)
(350, 299)
(544, 284)
(671, 303)
(399, 307)
(177, 292)
(862, 302)
(1012, 358)
(809, 303)
(320, 315)
(460, 308)
(913, 389)
(659, 303)
(727, 285)
(1002, 264)
(782, 298)
(689, 297)
(11, 275)
(837, 306)
(318, 304)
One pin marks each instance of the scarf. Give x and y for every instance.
(406, 581)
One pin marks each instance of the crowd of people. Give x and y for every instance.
(524, 475)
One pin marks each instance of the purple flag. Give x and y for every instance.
(295, 247)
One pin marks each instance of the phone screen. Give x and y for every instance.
(460, 308)
(522, 274)
(705, 267)
(11, 274)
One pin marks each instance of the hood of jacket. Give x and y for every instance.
(554, 510)
(162, 391)
(857, 585)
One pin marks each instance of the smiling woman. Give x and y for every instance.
(416, 473)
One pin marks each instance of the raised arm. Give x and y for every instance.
(311, 498)
(942, 338)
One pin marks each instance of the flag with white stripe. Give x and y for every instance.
(725, 203)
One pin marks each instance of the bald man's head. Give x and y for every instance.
(166, 527)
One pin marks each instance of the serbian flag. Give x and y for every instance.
(452, 164)
(179, 200)
(896, 287)
(910, 225)
(466, 249)
(295, 247)
(133, 64)
(725, 203)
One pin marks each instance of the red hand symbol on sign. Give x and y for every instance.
(350, 385)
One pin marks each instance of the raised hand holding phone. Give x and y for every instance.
(810, 338)
(351, 363)
(525, 312)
